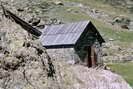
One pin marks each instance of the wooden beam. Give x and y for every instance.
(30, 29)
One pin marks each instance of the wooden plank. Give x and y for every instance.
(93, 56)
(30, 29)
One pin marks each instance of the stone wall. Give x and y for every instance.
(63, 53)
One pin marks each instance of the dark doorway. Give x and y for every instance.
(89, 61)
(91, 56)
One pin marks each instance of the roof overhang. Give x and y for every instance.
(59, 46)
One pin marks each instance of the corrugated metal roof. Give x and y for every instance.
(63, 34)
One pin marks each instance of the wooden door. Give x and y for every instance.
(92, 57)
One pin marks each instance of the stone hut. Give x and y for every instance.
(73, 41)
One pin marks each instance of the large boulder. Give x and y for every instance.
(122, 19)
(58, 3)
(34, 21)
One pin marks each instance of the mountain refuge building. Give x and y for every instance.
(73, 41)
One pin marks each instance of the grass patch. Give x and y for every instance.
(124, 69)
(116, 34)
(75, 14)
(102, 4)
(92, 3)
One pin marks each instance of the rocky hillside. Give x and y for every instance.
(127, 3)
(29, 68)
(24, 63)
